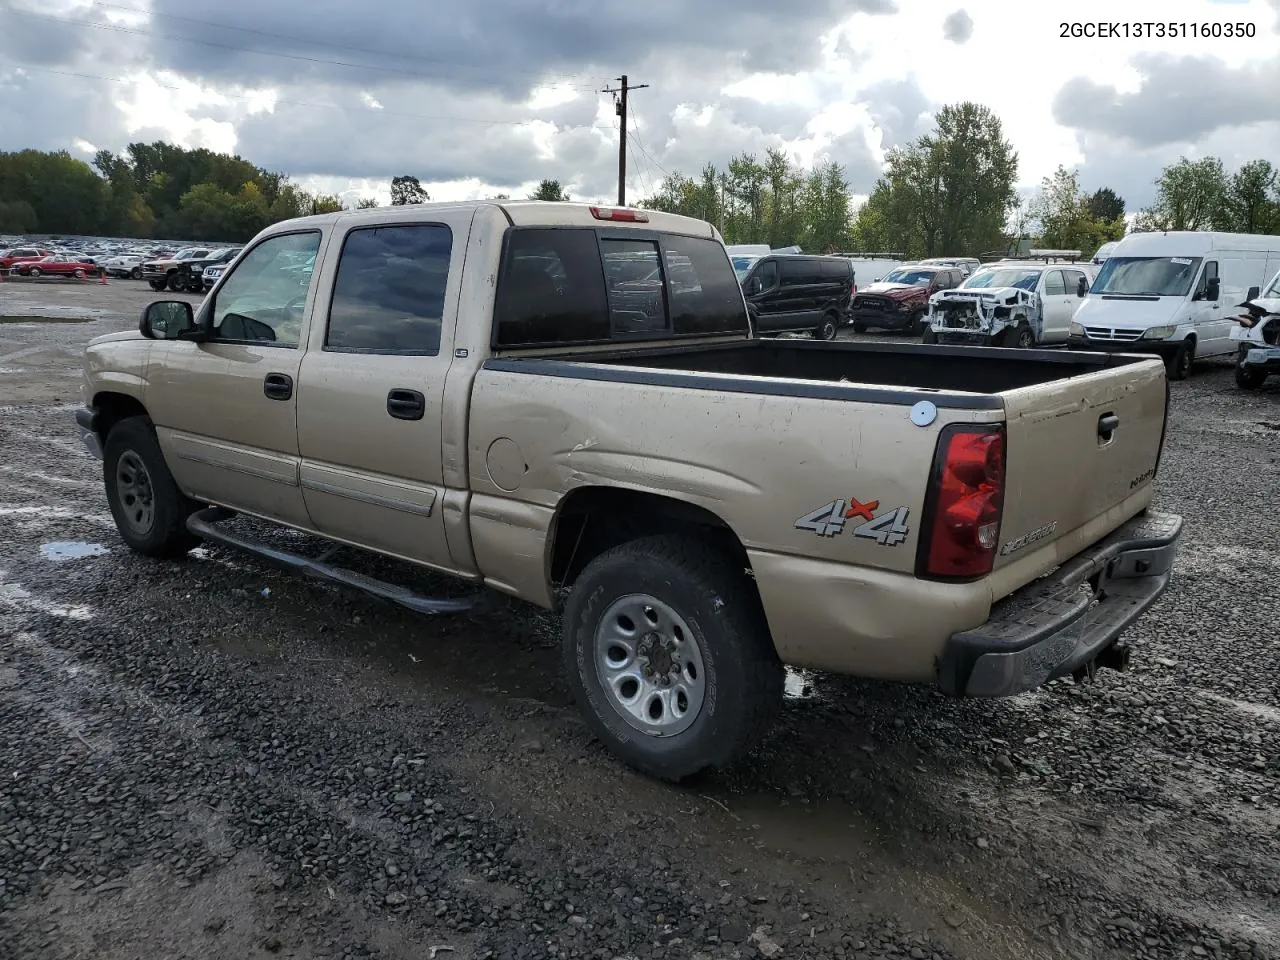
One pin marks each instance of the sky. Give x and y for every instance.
(491, 96)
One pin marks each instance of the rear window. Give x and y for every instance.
(568, 285)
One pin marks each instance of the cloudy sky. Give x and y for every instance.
(492, 95)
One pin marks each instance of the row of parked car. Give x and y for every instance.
(1175, 294)
(189, 270)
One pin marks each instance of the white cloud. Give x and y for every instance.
(472, 118)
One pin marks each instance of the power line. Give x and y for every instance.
(226, 46)
(620, 108)
(336, 46)
(635, 125)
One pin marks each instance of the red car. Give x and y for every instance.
(900, 299)
(54, 265)
(20, 255)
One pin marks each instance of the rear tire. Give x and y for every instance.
(80, 274)
(692, 610)
(149, 510)
(158, 285)
(828, 328)
(34, 273)
(1180, 364)
(136, 273)
(174, 283)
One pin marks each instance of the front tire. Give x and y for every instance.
(1180, 363)
(34, 273)
(669, 656)
(930, 336)
(175, 283)
(136, 273)
(158, 285)
(149, 510)
(1248, 378)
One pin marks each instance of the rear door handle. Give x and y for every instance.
(1108, 423)
(406, 404)
(278, 386)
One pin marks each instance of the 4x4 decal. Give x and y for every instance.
(888, 528)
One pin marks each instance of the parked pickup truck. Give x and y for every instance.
(458, 386)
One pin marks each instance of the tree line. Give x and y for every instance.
(950, 192)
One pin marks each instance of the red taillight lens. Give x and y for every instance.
(620, 214)
(967, 502)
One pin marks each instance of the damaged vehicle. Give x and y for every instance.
(1010, 305)
(1257, 333)
(480, 389)
(900, 299)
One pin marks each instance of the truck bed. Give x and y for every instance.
(957, 370)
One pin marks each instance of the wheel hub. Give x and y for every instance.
(658, 659)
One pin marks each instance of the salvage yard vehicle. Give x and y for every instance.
(16, 255)
(55, 265)
(1010, 304)
(1173, 294)
(1257, 335)
(459, 386)
(793, 292)
(900, 300)
(164, 273)
(966, 265)
(189, 275)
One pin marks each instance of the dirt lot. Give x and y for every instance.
(213, 759)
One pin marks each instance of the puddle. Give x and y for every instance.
(798, 684)
(60, 550)
(36, 319)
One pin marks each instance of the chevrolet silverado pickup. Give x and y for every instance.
(478, 389)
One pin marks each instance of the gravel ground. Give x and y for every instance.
(215, 759)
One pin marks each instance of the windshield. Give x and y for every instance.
(1147, 276)
(1023, 279)
(742, 266)
(915, 278)
(190, 253)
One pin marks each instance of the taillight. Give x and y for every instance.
(620, 214)
(964, 503)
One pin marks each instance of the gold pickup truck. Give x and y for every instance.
(566, 403)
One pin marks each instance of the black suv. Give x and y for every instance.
(791, 292)
(190, 273)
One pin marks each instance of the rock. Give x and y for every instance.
(982, 843)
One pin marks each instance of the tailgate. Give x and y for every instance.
(1063, 467)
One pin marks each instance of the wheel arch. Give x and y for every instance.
(111, 407)
(592, 519)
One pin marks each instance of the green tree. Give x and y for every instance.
(326, 203)
(549, 190)
(406, 190)
(1105, 205)
(1247, 204)
(17, 216)
(784, 217)
(1189, 196)
(367, 203)
(826, 202)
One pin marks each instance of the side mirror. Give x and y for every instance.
(167, 320)
(755, 285)
(1082, 286)
(1214, 290)
(1253, 293)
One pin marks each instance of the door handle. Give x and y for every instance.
(406, 404)
(1108, 423)
(278, 386)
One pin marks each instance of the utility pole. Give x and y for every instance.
(620, 108)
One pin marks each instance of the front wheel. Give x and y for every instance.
(669, 656)
(1248, 378)
(930, 336)
(1180, 363)
(175, 283)
(158, 285)
(136, 273)
(149, 510)
(80, 274)
(34, 273)
(827, 329)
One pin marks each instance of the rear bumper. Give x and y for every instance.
(1060, 623)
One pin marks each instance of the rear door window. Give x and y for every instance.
(551, 289)
(388, 296)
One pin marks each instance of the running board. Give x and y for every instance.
(205, 524)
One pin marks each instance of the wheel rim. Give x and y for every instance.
(650, 666)
(829, 330)
(1184, 361)
(1024, 339)
(134, 493)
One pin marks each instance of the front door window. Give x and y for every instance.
(263, 300)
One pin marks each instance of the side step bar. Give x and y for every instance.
(206, 524)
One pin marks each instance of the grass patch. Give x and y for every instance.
(46, 319)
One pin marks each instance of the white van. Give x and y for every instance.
(1174, 294)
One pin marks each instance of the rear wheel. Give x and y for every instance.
(175, 283)
(136, 273)
(1180, 364)
(34, 272)
(80, 274)
(669, 656)
(149, 510)
(827, 329)
(158, 284)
